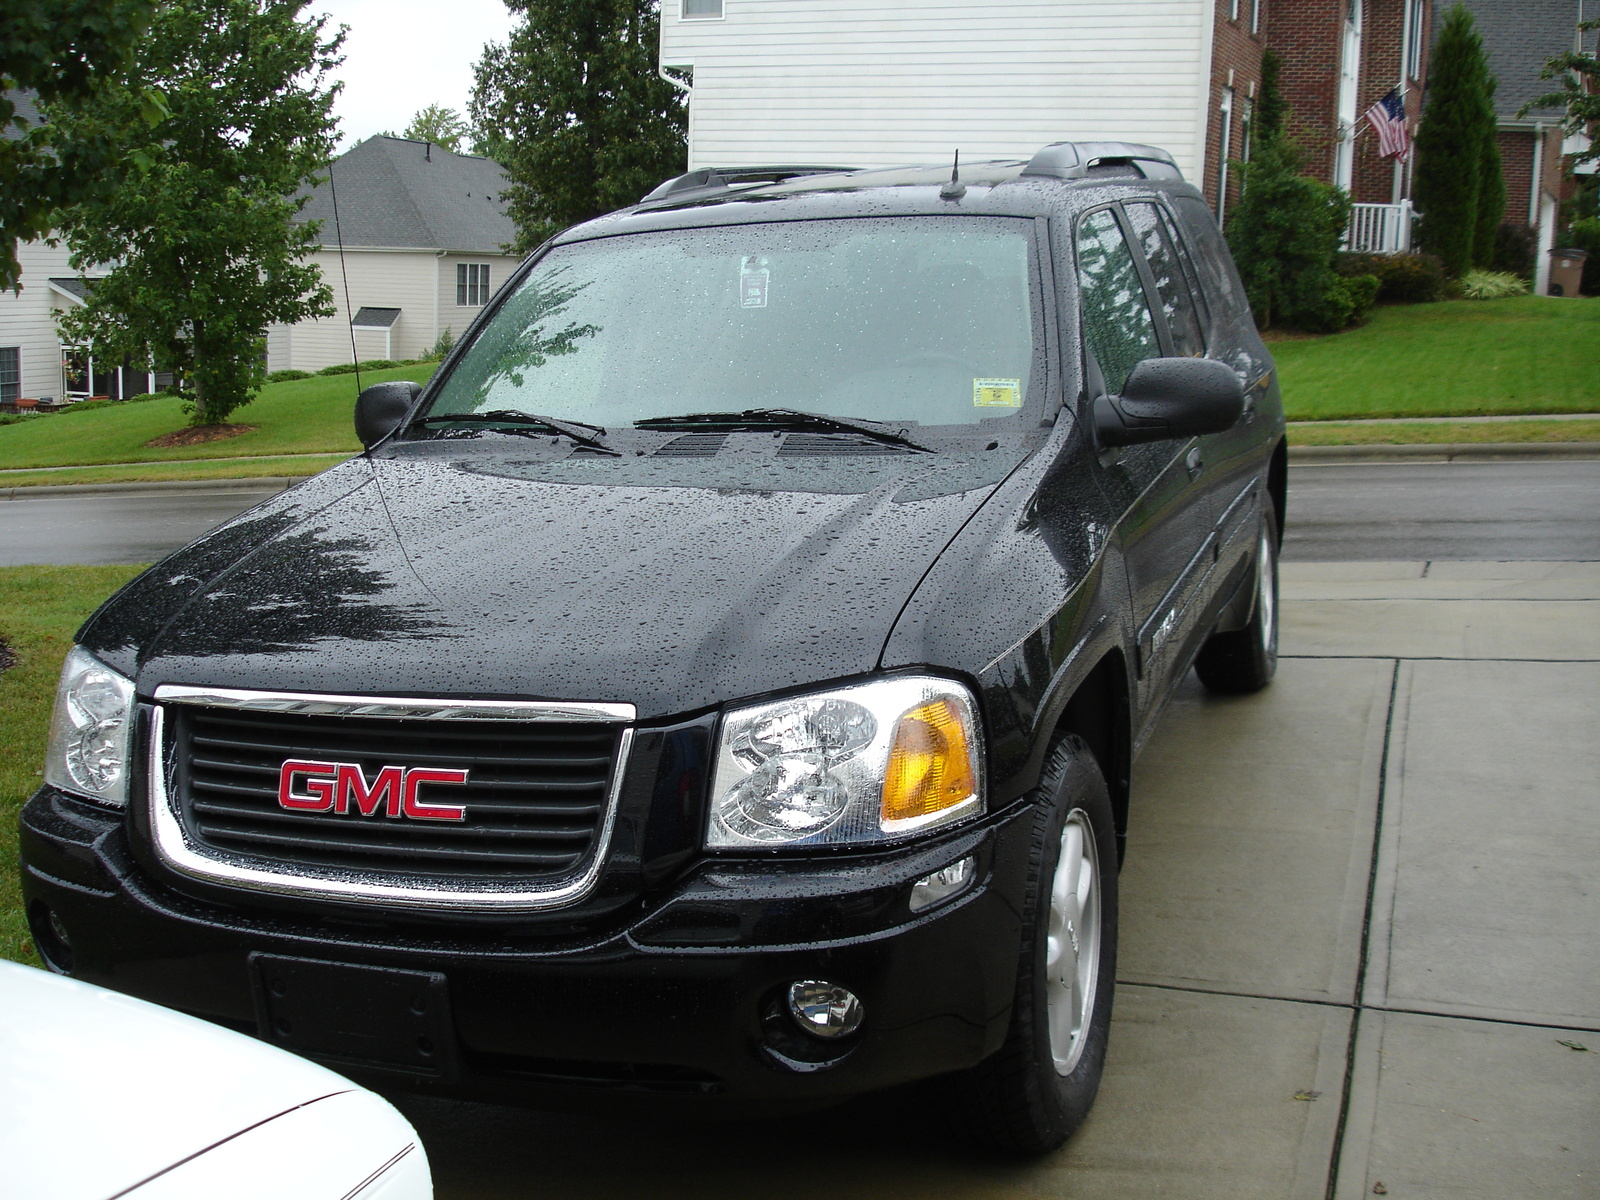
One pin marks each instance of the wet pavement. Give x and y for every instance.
(1358, 942)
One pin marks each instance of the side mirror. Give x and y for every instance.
(381, 407)
(1170, 398)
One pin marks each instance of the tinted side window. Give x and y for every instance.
(1217, 275)
(1172, 287)
(1117, 324)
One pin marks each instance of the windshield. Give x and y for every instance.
(905, 319)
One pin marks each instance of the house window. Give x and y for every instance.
(10, 373)
(1224, 149)
(1247, 124)
(1255, 16)
(472, 284)
(1413, 38)
(702, 10)
(1233, 10)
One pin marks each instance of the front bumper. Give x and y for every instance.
(676, 993)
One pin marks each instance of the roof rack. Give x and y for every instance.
(713, 178)
(1081, 160)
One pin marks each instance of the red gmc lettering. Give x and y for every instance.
(341, 787)
(432, 812)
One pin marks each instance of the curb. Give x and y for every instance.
(1446, 452)
(264, 483)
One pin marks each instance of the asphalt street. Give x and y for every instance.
(1486, 511)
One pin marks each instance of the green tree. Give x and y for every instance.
(1271, 108)
(205, 251)
(441, 126)
(1457, 120)
(1579, 94)
(65, 52)
(1285, 232)
(572, 107)
(1491, 189)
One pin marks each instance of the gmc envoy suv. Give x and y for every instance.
(717, 686)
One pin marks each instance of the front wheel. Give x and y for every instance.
(1245, 660)
(1038, 1087)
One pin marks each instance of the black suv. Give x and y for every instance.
(720, 681)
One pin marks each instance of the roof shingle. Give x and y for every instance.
(396, 192)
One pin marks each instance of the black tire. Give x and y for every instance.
(1245, 660)
(1017, 1101)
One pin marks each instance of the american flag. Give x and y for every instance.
(1388, 118)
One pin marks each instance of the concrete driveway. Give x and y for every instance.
(1359, 946)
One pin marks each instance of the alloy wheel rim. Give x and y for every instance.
(1072, 942)
(1267, 592)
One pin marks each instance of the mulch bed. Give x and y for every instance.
(196, 435)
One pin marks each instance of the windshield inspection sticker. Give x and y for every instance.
(997, 393)
(754, 275)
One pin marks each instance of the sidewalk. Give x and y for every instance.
(1358, 925)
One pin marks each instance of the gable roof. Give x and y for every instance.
(399, 193)
(1520, 36)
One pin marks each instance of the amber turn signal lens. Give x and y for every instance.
(930, 764)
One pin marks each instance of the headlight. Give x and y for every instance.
(855, 764)
(89, 731)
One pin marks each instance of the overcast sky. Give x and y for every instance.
(403, 55)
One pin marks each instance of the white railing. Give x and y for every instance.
(1379, 228)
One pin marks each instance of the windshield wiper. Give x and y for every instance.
(791, 418)
(579, 431)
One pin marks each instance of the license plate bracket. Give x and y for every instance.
(357, 1015)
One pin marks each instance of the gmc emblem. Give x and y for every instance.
(343, 788)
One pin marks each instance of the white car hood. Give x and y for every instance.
(100, 1093)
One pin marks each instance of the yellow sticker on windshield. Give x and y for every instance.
(997, 393)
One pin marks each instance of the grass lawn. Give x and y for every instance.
(1333, 433)
(302, 416)
(40, 609)
(1527, 354)
(215, 468)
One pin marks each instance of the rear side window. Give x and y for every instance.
(1172, 284)
(1217, 275)
(1117, 324)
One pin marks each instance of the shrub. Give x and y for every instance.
(1402, 278)
(18, 418)
(143, 396)
(1490, 285)
(372, 364)
(286, 375)
(1514, 248)
(445, 343)
(82, 406)
(1285, 234)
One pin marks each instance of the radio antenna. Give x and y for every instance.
(955, 189)
(348, 312)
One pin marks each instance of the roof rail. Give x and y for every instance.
(1075, 160)
(721, 177)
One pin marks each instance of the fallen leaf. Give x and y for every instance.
(1379, 1190)
(1572, 1045)
(1306, 1095)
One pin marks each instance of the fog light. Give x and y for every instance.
(941, 885)
(50, 937)
(824, 1009)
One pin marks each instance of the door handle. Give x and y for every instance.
(1192, 461)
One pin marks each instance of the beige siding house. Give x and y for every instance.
(423, 234)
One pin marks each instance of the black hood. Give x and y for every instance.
(671, 585)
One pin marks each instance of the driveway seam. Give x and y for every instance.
(1337, 1154)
